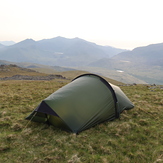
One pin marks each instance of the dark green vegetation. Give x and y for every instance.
(136, 137)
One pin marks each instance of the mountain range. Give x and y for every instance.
(144, 63)
(7, 43)
(140, 65)
(57, 51)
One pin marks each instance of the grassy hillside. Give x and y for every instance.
(114, 74)
(68, 74)
(136, 137)
(10, 70)
(71, 74)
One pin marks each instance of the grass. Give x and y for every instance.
(10, 70)
(137, 137)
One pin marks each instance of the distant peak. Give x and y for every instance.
(29, 39)
(60, 37)
(77, 38)
(26, 42)
(7, 43)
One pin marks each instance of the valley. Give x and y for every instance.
(142, 65)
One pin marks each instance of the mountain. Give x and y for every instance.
(57, 51)
(77, 46)
(147, 56)
(7, 43)
(141, 65)
(1, 46)
(23, 51)
(3, 62)
(144, 63)
(151, 55)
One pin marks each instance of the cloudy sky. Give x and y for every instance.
(118, 23)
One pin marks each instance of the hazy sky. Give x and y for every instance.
(119, 23)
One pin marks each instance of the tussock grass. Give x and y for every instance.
(136, 137)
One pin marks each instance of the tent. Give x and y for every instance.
(85, 102)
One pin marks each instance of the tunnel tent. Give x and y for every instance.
(85, 102)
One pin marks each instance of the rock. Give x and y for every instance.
(26, 77)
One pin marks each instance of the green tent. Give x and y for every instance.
(85, 102)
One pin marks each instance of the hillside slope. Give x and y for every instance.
(143, 63)
(10, 70)
(1, 46)
(151, 55)
(14, 72)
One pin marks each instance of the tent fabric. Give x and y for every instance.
(85, 102)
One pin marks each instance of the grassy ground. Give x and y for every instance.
(137, 137)
(10, 70)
